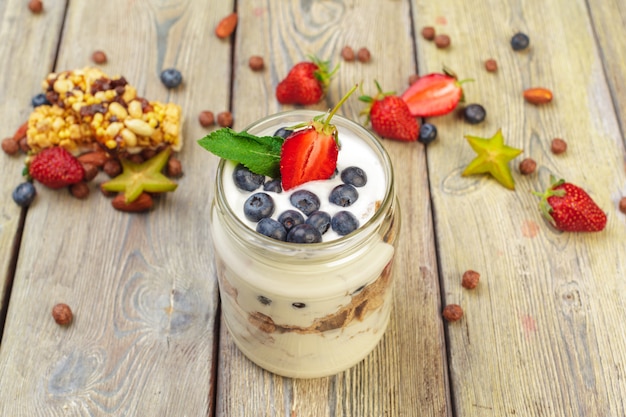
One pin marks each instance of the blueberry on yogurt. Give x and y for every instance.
(273, 186)
(271, 228)
(247, 180)
(290, 218)
(320, 220)
(343, 195)
(258, 206)
(354, 176)
(305, 201)
(304, 233)
(283, 132)
(344, 222)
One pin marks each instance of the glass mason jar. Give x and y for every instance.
(306, 310)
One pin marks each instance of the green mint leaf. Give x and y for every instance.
(260, 154)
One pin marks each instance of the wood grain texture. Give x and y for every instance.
(540, 334)
(141, 286)
(34, 55)
(405, 375)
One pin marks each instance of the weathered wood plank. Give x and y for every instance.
(406, 374)
(23, 65)
(539, 336)
(141, 286)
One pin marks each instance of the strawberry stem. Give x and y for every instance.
(338, 105)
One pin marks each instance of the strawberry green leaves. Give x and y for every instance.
(260, 154)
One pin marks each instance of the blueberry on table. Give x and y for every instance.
(354, 176)
(258, 206)
(320, 220)
(520, 41)
(273, 186)
(428, 133)
(171, 78)
(343, 195)
(305, 201)
(247, 180)
(283, 132)
(271, 228)
(344, 222)
(290, 218)
(24, 194)
(304, 233)
(474, 113)
(39, 100)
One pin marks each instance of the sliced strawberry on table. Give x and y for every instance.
(433, 95)
(305, 83)
(570, 209)
(390, 116)
(310, 153)
(56, 168)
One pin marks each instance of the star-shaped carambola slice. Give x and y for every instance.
(137, 178)
(493, 158)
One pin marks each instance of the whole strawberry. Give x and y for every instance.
(433, 95)
(56, 168)
(570, 209)
(305, 83)
(390, 116)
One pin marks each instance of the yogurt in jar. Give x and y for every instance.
(309, 310)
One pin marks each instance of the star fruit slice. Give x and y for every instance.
(137, 178)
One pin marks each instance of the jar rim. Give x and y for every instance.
(274, 245)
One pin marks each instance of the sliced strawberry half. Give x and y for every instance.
(433, 95)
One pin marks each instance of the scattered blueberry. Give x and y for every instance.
(320, 220)
(290, 218)
(298, 305)
(305, 201)
(283, 132)
(520, 41)
(247, 180)
(343, 195)
(24, 194)
(474, 113)
(354, 176)
(273, 186)
(344, 222)
(258, 206)
(304, 233)
(428, 133)
(271, 228)
(264, 300)
(171, 78)
(39, 100)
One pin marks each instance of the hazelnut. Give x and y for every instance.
(136, 158)
(347, 53)
(225, 119)
(527, 166)
(491, 65)
(24, 145)
(363, 55)
(452, 312)
(442, 41)
(206, 118)
(174, 168)
(622, 205)
(112, 168)
(99, 57)
(80, 190)
(35, 6)
(413, 78)
(91, 171)
(10, 147)
(558, 146)
(148, 153)
(470, 279)
(62, 314)
(256, 63)
(428, 33)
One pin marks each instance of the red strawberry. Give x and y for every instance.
(305, 83)
(433, 95)
(56, 168)
(310, 153)
(390, 116)
(570, 209)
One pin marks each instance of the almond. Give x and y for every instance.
(226, 26)
(20, 133)
(96, 158)
(538, 95)
(142, 203)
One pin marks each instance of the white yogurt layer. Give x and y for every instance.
(353, 152)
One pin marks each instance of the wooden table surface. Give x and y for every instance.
(542, 335)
